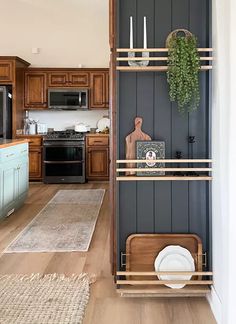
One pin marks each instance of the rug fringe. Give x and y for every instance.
(50, 277)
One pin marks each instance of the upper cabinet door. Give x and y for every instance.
(79, 79)
(68, 79)
(6, 71)
(98, 94)
(107, 95)
(58, 79)
(35, 90)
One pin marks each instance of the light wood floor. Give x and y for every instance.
(105, 307)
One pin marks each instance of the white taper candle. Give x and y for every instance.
(144, 32)
(131, 43)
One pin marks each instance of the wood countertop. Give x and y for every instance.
(96, 134)
(12, 142)
(26, 136)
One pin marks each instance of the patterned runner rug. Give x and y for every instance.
(65, 224)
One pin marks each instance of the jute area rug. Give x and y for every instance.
(52, 299)
(65, 224)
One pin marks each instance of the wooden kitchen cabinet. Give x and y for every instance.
(79, 79)
(68, 79)
(35, 90)
(99, 94)
(57, 79)
(6, 71)
(97, 157)
(35, 156)
(12, 70)
(35, 163)
(38, 80)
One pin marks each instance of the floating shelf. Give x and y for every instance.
(156, 288)
(160, 68)
(191, 177)
(166, 178)
(162, 291)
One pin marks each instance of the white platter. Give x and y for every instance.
(174, 258)
(103, 123)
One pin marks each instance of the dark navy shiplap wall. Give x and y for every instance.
(162, 207)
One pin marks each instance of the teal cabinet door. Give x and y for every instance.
(22, 179)
(9, 188)
(1, 204)
(14, 164)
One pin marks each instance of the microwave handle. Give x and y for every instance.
(80, 99)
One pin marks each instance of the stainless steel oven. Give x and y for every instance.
(63, 161)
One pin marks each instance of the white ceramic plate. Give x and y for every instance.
(103, 123)
(174, 258)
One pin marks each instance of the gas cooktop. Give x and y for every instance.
(65, 135)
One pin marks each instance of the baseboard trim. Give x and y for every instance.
(216, 305)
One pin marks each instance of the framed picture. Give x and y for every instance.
(150, 150)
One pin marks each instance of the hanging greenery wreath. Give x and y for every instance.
(183, 70)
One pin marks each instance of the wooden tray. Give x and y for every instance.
(142, 250)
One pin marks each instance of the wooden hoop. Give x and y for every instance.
(175, 32)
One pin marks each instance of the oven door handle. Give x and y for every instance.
(64, 162)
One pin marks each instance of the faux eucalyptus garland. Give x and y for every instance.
(183, 71)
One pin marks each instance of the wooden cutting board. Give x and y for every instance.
(142, 250)
(136, 135)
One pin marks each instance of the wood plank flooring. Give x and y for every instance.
(105, 307)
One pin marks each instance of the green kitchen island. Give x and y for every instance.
(14, 175)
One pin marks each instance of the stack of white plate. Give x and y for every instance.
(174, 258)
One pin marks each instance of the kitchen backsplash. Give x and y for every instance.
(60, 120)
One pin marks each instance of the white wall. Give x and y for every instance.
(60, 120)
(68, 33)
(222, 298)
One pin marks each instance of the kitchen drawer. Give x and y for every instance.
(13, 152)
(33, 141)
(97, 141)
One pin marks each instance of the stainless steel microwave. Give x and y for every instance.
(68, 99)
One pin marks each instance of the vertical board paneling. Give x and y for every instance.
(127, 9)
(145, 107)
(126, 112)
(161, 207)
(198, 128)
(145, 205)
(145, 202)
(162, 21)
(180, 19)
(162, 118)
(127, 211)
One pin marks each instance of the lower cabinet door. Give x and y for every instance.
(23, 179)
(9, 187)
(1, 186)
(35, 163)
(97, 163)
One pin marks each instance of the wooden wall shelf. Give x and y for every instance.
(165, 178)
(170, 177)
(160, 68)
(156, 288)
(162, 291)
